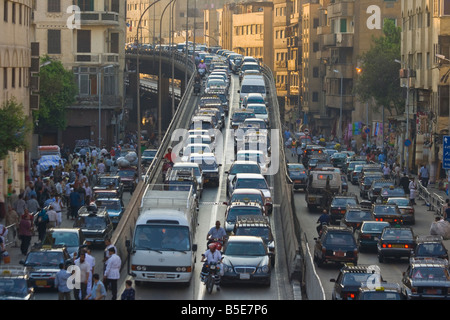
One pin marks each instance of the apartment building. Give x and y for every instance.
(426, 54)
(15, 64)
(345, 30)
(88, 37)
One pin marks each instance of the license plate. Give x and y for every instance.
(432, 291)
(160, 276)
(339, 253)
(206, 180)
(41, 283)
(244, 276)
(398, 246)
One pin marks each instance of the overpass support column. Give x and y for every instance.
(166, 103)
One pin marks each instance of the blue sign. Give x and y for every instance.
(407, 143)
(446, 153)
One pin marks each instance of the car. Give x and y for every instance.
(106, 194)
(390, 192)
(241, 167)
(427, 278)
(236, 209)
(258, 227)
(255, 155)
(387, 212)
(368, 235)
(336, 244)
(147, 156)
(210, 167)
(344, 183)
(253, 98)
(317, 162)
(396, 242)
(198, 173)
(194, 148)
(430, 246)
(239, 117)
(181, 180)
(259, 123)
(246, 259)
(260, 110)
(338, 206)
(338, 159)
(247, 196)
(109, 182)
(114, 207)
(354, 179)
(42, 265)
(95, 224)
(311, 150)
(405, 207)
(253, 181)
(298, 175)
(375, 188)
(366, 183)
(199, 139)
(351, 278)
(384, 292)
(355, 216)
(14, 284)
(70, 238)
(351, 166)
(128, 176)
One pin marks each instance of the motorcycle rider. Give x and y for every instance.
(324, 219)
(202, 67)
(212, 255)
(169, 156)
(216, 233)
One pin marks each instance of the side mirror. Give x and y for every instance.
(194, 247)
(239, 91)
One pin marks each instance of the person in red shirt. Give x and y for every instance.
(169, 156)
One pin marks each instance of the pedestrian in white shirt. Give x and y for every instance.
(52, 217)
(112, 272)
(91, 260)
(412, 191)
(57, 206)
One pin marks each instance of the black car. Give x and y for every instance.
(14, 284)
(258, 227)
(95, 224)
(387, 212)
(236, 209)
(366, 183)
(427, 279)
(338, 206)
(114, 207)
(430, 247)
(128, 177)
(351, 278)
(368, 235)
(337, 245)
(147, 156)
(385, 292)
(396, 242)
(109, 182)
(42, 266)
(297, 173)
(390, 192)
(355, 216)
(246, 259)
(70, 238)
(375, 188)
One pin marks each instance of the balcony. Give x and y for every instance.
(281, 64)
(344, 40)
(292, 42)
(293, 90)
(347, 71)
(329, 40)
(293, 65)
(96, 58)
(294, 18)
(99, 18)
(341, 9)
(334, 101)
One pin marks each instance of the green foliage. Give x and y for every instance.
(379, 79)
(14, 128)
(57, 91)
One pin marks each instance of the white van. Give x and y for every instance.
(252, 85)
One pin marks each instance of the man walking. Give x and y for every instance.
(61, 279)
(424, 175)
(112, 272)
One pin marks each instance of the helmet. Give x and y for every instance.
(218, 246)
(201, 60)
(212, 246)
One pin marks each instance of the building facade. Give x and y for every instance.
(88, 37)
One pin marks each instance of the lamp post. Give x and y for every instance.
(407, 118)
(99, 89)
(340, 113)
(138, 84)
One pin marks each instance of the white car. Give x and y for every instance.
(241, 167)
(255, 155)
(208, 164)
(253, 181)
(199, 148)
(260, 110)
(191, 166)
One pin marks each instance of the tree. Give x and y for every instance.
(14, 128)
(379, 79)
(57, 91)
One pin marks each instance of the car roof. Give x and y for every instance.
(244, 162)
(71, 230)
(248, 191)
(244, 239)
(249, 175)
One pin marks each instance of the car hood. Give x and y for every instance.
(114, 213)
(46, 269)
(250, 261)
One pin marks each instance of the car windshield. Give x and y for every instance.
(253, 88)
(205, 163)
(393, 192)
(69, 239)
(262, 232)
(356, 279)
(397, 234)
(109, 204)
(379, 185)
(359, 215)
(256, 124)
(126, 173)
(162, 238)
(241, 116)
(430, 249)
(44, 258)
(403, 202)
(251, 183)
(352, 164)
(339, 238)
(245, 248)
(374, 227)
(257, 157)
(197, 172)
(430, 273)
(295, 168)
(369, 179)
(380, 296)
(10, 287)
(149, 153)
(233, 213)
(342, 202)
(104, 182)
(385, 209)
(91, 222)
(245, 197)
(245, 168)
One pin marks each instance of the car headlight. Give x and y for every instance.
(227, 268)
(263, 269)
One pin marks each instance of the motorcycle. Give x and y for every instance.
(320, 228)
(213, 270)
(202, 72)
(166, 166)
(197, 88)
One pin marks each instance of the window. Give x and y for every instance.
(84, 41)
(13, 78)
(5, 11)
(87, 5)
(5, 78)
(315, 96)
(343, 25)
(315, 23)
(54, 5)
(54, 41)
(446, 7)
(13, 13)
(114, 42)
(315, 72)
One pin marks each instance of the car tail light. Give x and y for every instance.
(365, 236)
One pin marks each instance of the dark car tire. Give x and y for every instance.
(380, 258)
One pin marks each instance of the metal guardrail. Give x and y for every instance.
(434, 201)
(12, 236)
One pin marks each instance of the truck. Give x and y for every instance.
(322, 185)
(162, 247)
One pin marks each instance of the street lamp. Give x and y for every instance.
(340, 113)
(99, 89)
(407, 118)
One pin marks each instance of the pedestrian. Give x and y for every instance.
(404, 183)
(25, 231)
(386, 171)
(424, 175)
(106, 253)
(98, 289)
(129, 293)
(101, 167)
(41, 223)
(88, 192)
(112, 272)
(21, 205)
(412, 191)
(75, 203)
(85, 268)
(294, 148)
(57, 206)
(52, 217)
(91, 260)
(61, 279)
(12, 221)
